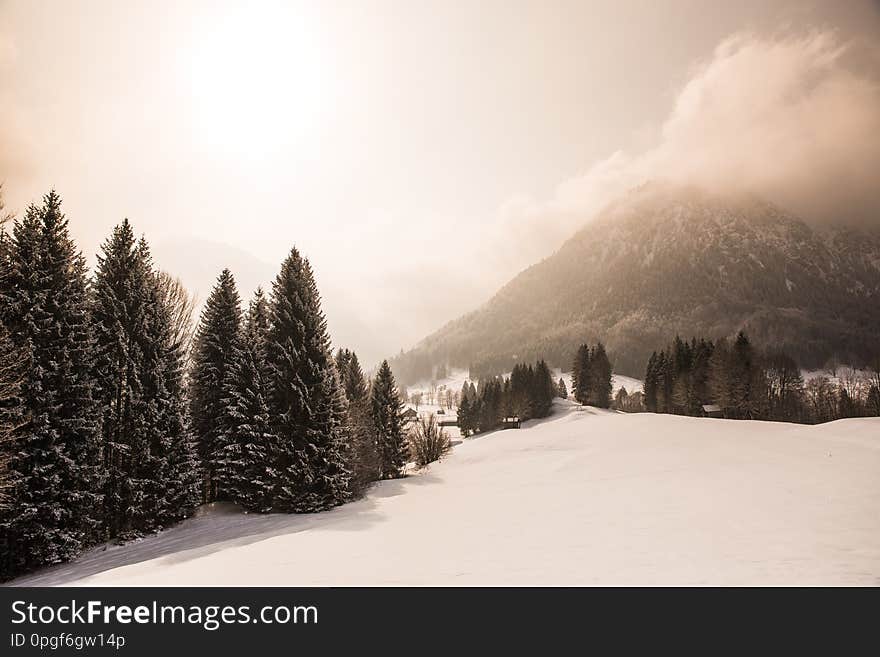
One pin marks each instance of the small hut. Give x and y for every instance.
(712, 410)
(409, 415)
(510, 422)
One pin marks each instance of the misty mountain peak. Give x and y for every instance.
(666, 259)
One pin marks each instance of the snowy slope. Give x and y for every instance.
(583, 497)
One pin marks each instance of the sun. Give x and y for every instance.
(257, 80)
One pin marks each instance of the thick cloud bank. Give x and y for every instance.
(793, 119)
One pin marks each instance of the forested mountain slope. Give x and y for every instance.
(666, 260)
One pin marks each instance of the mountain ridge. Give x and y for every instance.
(664, 260)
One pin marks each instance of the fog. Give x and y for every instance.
(793, 119)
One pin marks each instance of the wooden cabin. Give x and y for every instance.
(510, 422)
(712, 410)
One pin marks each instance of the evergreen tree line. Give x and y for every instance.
(747, 384)
(527, 393)
(591, 376)
(115, 423)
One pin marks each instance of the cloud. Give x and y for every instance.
(794, 119)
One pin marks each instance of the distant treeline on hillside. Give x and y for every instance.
(527, 393)
(744, 383)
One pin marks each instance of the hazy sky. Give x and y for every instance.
(419, 153)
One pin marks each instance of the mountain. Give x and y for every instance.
(664, 260)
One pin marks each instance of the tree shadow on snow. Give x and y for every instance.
(221, 526)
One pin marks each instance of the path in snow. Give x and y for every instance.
(584, 497)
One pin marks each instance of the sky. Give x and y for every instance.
(420, 153)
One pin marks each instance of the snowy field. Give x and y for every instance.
(583, 497)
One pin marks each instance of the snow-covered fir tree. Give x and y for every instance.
(214, 349)
(600, 377)
(12, 369)
(542, 390)
(386, 409)
(466, 409)
(307, 404)
(362, 454)
(57, 467)
(561, 389)
(118, 312)
(246, 470)
(148, 453)
(650, 385)
(177, 489)
(580, 375)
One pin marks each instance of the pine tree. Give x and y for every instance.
(520, 393)
(307, 404)
(148, 452)
(682, 356)
(476, 410)
(351, 375)
(700, 368)
(543, 390)
(176, 487)
(600, 377)
(247, 470)
(561, 390)
(362, 454)
(118, 312)
(719, 377)
(489, 404)
(745, 381)
(12, 420)
(581, 373)
(57, 466)
(216, 343)
(664, 382)
(650, 385)
(464, 414)
(386, 409)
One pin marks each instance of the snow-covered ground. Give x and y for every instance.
(583, 497)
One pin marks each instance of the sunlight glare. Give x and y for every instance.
(256, 79)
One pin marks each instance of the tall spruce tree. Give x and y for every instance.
(216, 343)
(386, 409)
(465, 412)
(307, 404)
(520, 395)
(12, 371)
(177, 488)
(118, 312)
(543, 390)
(362, 453)
(57, 467)
(247, 471)
(600, 387)
(651, 383)
(561, 390)
(152, 472)
(580, 375)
